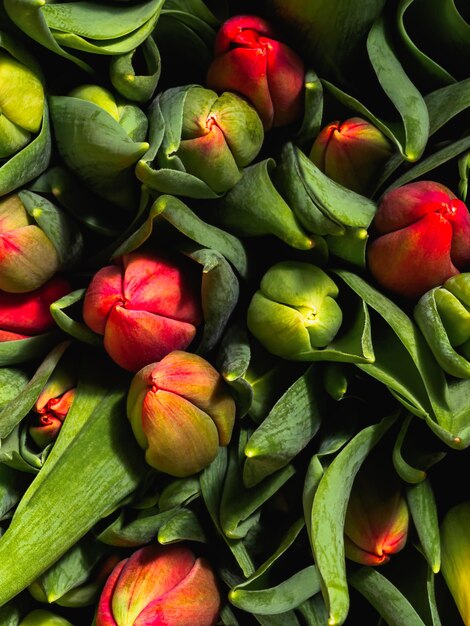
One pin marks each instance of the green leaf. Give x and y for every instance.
(313, 109)
(233, 359)
(78, 330)
(12, 485)
(314, 611)
(401, 91)
(283, 597)
(447, 102)
(16, 409)
(120, 532)
(133, 86)
(180, 491)
(70, 494)
(328, 514)
(385, 597)
(289, 427)
(282, 619)
(423, 509)
(12, 381)
(183, 526)
(432, 598)
(406, 471)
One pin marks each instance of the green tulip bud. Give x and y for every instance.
(295, 312)
(100, 140)
(455, 545)
(443, 314)
(40, 617)
(200, 141)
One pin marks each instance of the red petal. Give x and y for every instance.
(103, 293)
(285, 71)
(104, 614)
(233, 28)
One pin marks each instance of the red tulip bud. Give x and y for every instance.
(352, 153)
(160, 586)
(249, 60)
(424, 238)
(145, 306)
(46, 427)
(23, 315)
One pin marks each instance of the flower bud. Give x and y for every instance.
(23, 315)
(40, 617)
(145, 306)
(455, 547)
(27, 256)
(352, 153)
(443, 315)
(50, 416)
(424, 238)
(21, 105)
(160, 585)
(295, 311)
(181, 411)
(249, 60)
(376, 524)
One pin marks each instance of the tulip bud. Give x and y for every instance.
(204, 141)
(455, 546)
(376, 524)
(180, 410)
(295, 310)
(352, 153)
(443, 315)
(145, 306)
(160, 585)
(45, 429)
(249, 60)
(40, 617)
(27, 256)
(424, 238)
(21, 105)
(23, 315)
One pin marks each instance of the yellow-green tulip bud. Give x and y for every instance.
(295, 311)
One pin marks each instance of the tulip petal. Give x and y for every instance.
(455, 542)
(182, 439)
(158, 285)
(104, 614)
(134, 339)
(149, 574)
(414, 259)
(195, 601)
(460, 220)
(104, 292)
(285, 74)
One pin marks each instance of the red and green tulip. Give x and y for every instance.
(352, 153)
(295, 310)
(24, 315)
(250, 60)
(162, 586)
(146, 305)
(376, 524)
(181, 411)
(455, 545)
(423, 238)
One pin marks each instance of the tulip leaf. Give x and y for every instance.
(227, 617)
(16, 452)
(313, 109)
(12, 485)
(17, 408)
(233, 359)
(180, 491)
(97, 21)
(253, 207)
(71, 570)
(12, 381)
(312, 480)
(11, 613)
(406, 98)
(431, 374)
(328, 514)
(406, 471)
(432, 162)
(183, 526)
(436, 621)
(289, 427)
(432, 69)
(392, 605)
(29, 162)
(445, 103)
(78, 330)
(283, 597)
(314, 611)
(61, 507)
(464, 169)
(422, 506)
(130, 534)
(282, 619)
(239, 504)
(136, 87)
(212, 484)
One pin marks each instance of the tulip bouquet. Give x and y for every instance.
(234, 313)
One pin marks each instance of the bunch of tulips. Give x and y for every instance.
(234, 313)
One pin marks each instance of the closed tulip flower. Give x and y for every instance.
(160, 586)
(146, 305)
(24, 315)
(251, 61)
(423, 238)
(181, 411)
(352, 153)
